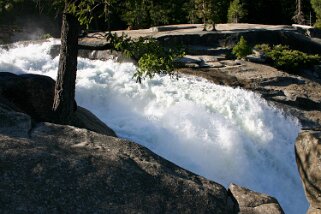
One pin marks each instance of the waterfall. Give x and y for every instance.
(224, 134)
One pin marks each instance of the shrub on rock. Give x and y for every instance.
(241, 49)
(287, 59)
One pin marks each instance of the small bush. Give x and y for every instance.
(241, 49)
(284, 58)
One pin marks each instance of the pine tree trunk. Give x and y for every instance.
(64, 97)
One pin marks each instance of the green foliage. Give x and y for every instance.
(316, 5)
(86, 10)
(236, 12)
(83, 11)
(241, 49)
(288, 59)
(285, 58)
(147, 13)
(206, 11)
(152, 57)
(136, 14)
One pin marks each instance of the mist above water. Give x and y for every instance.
(225, 134)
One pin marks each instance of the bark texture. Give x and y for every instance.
(64, 104)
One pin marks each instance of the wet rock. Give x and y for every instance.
(98, 54)
(249, 202)
(308, 153)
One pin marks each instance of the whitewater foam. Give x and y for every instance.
(225, 134)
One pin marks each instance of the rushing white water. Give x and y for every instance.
(227, 135)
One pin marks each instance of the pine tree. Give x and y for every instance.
(236, 12)
(207, 11)
(135, 13)
(299, 16)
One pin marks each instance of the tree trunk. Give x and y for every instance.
(299, 16)
(64, 104)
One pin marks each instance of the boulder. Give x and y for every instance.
(249, 202)
(66, 169)
(33, 95)
(308, 153)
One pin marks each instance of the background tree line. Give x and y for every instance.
(135, 14)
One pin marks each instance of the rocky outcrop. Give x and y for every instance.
(296, 94)
(55, 168)
(308, 157)
(292, 38)
(33, 95)
(245, 201)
